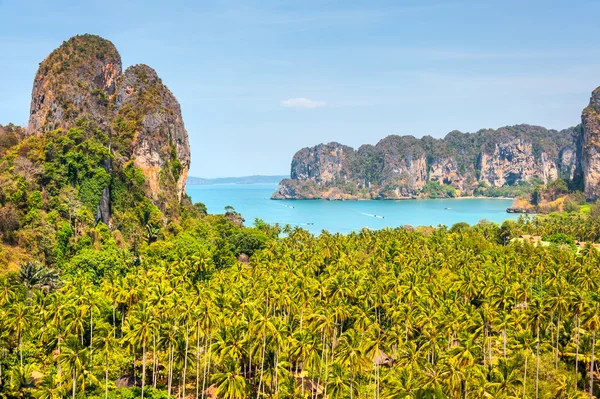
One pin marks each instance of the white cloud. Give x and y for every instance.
(302, 103)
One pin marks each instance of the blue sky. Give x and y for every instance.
(258, 80)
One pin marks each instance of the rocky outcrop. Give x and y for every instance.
(404, 167)
(322, 164)
(75, 81)
(81, 84)
(511, 163)
(590, 147)
(444, 170)
(160, 144)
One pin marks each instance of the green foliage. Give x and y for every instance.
(460, 227)
(92, 264)
(560, 239)
(201, 208)
(35, 200)
(34, 276)
(63, 236)
(571, 205)
(433, 189)
(519, 190)
(248, 241)
(91, 189)
(271, 231)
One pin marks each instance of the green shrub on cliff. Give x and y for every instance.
(433, 189)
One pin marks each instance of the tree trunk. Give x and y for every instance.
(206, 363)
(143, 367)
(187, 339)
(262, 363)
(557, 336)
(170, 372)
(303, 366)
(197, 359)
(592, 365)
(91, 335)
(525, 376)
(537, 362)
(577, 348)
(326, 371)
(484, 350)
(322, 357)
(154, 366)
(21, 348)
(276, 369)
(74, 381)
(504, 341)
(59, 367)
(106, 379)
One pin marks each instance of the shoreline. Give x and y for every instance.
(466, 197)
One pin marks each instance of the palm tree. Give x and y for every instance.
(506, 379)
(350, 355)
(18, 321)
(337, 382)
(139, 328)
(230, 383)
(538, 314)
(35, 276)
(592, 323)
(74, 360)
(106, 344)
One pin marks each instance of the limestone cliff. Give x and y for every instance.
(160, 142)
(406, 167)
(590, 147)
(81, 84)
(75, 81)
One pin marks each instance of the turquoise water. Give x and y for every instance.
(252, 201)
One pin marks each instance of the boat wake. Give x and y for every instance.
(373, 216)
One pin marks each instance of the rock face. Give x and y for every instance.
(75, 81)
(323, 163)
(82, 82)
(590, 147)
(160, 143)
(401, 167)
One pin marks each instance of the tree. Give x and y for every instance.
(35, 276)
(230, 383)
(139, 328)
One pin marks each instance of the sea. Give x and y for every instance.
(253, 201)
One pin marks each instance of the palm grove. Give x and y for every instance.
(388, 314)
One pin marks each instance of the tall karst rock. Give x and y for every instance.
(160, 145)
(82, 82)
(589, 147)
(75, 81)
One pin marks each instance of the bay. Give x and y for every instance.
(252, 201)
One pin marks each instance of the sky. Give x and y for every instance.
(258, 80)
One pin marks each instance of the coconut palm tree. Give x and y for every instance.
(592, 323)
(74, 360)
(230, 383)
(137, 332)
